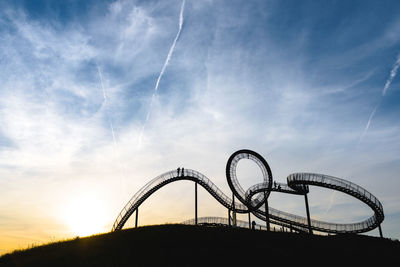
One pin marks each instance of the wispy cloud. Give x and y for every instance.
(237, 82)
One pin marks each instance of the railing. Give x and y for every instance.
(279, 216)
(240, 223)
(254, 197)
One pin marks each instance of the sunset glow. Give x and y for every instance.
(85, 215)
(98, 97)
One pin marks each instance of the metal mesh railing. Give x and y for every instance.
(169, 177)
(280, 216)
(348, 188)
(297, 183)
(221, 221)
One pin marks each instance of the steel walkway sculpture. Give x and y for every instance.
(255, 199)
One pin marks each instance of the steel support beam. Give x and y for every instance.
(266, 212)
(233, 210)
(308, 215)
(195, 203)
(297, 183)
(137, 217)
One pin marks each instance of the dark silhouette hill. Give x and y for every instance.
(183, 245)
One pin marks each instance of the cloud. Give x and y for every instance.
(47, 42)
(232, 84)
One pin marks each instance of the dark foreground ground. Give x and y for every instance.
(182, 245)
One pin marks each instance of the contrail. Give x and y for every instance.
(368, 123)
(170, 52)
(392, 75)
(331, 201)
(105, 103)
(115, 146)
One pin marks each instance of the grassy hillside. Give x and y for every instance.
(182, 245)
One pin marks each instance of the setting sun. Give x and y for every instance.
(124, 114)
(84, 215)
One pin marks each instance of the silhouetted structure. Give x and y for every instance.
(255, 199)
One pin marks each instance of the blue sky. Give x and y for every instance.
(310, 85)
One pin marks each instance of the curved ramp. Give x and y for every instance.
(253, 199)
(170, 177)
(217, 221)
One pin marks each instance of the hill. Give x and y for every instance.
(183, 245)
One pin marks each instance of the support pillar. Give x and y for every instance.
(380, 230)
(249, 221)
(308, 215)
(229, 217)
(137, 217)
(233, 210)
(266, 212)
(195, 203)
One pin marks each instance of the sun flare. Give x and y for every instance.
(85, 215)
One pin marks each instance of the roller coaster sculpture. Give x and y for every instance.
(255, 199)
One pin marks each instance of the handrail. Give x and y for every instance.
(252, 201)
(239, 223)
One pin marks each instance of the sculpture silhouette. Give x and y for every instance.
(254, 200)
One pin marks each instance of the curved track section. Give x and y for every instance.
(253, 199)
(170, 177)
(347, 187)
(218, 221)
(221, 221)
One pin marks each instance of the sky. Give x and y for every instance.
(99, 97)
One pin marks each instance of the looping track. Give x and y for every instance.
(253, 199)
